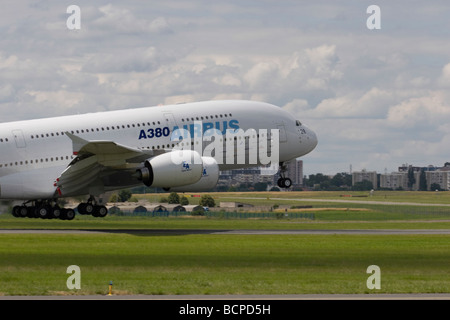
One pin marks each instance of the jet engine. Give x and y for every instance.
(179, 168)
(210, 176)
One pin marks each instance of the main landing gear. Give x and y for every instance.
(43, 210)
(48, 209)
(91, 208)
(284, 182)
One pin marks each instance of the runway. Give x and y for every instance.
(271, 297)
(168, 232)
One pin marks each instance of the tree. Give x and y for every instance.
(411, 178)
(124, 195)
(114, 198)
(422, 181)
(207, 201)
(337, 180)
(316, 179)
(174, 198)
(363, 185)
(261, 186)
(435, 186)
(184, 201)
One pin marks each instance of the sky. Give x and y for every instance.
(376, 98)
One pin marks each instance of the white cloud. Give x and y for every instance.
(420, 113)
(374, 97)
(118, 18)
(444, 80)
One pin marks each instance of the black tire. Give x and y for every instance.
(23, 212)
(280, 183)
(70, 214)
(56, 212)
(89, 208)
(67, 214)
(287, 183)
(82, 208)
(43, 212)
(15, 211)
(101, 211)
(31, 212)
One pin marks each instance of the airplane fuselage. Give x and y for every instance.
(34, 153)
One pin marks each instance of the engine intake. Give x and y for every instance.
(172, 169)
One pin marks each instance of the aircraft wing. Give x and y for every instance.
(96, 163)
(109, 153)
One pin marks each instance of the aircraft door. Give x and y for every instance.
(283, 134)
(169, 120)
(19, 138)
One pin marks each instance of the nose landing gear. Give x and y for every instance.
(283, 181)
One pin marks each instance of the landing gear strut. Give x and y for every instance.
(284, 182)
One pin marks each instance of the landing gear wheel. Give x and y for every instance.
(283, 182)
(280, 183)
(101, 211)
(82, 208)
(16, 211)
(56, 213)
(67, 214)
(43, 211)
(89, 208)
(22, 212)
(287, 183)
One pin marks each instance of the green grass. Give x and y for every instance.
(222, 264)
(442, 197)
(329, 220)
(35, 264)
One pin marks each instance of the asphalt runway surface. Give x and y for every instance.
(169, 232)
(273, 297)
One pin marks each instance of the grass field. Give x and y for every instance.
(222, 264)
(35, 264)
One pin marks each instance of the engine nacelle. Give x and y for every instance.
(172, 169)
(209, 178)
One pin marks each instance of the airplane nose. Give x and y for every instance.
(311, 140)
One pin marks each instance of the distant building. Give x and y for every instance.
(360, 176)
(295, 171)
(433, 175)
(239, 176)
(394, 180)
(442, 178)
(231, 204)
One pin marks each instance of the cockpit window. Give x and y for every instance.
(298, 123)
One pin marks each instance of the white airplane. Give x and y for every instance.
(44, 160)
